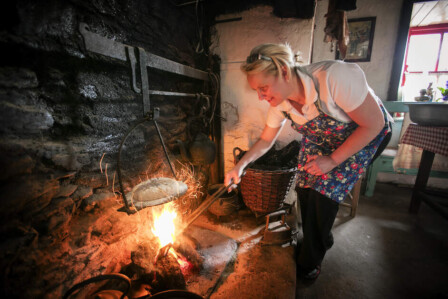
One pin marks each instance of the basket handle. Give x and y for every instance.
(235, 154)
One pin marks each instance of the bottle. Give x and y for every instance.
(430, 91)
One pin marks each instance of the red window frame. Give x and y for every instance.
(430, 29)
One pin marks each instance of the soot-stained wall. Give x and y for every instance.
(63, 113)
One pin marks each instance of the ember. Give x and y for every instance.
(186, 267)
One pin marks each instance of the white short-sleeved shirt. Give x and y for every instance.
(342, 88)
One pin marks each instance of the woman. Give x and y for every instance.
(342, 122)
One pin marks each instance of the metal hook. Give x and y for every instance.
(131, 54)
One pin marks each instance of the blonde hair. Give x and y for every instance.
(270, 58)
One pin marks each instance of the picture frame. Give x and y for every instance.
(359, 48)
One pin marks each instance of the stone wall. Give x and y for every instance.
(63, 114)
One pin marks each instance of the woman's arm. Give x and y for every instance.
(261, 146)
(370, 120)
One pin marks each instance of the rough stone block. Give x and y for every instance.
(98, 197)
(57, 225)
(112, 85)
(62, 204)
(24, 119)
(28, 193)
(12, 77)
(65, 155)
(55, 77)
(104, 125)
(20, 236)
(23, 97)
(13, 165)
(55, 218)
(66, 190)
(68, 162)
(82, 192)
(94, 180)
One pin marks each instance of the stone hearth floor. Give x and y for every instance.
(256, 270)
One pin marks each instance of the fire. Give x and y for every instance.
(164, 227)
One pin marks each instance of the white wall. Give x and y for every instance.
(244, 114)
(378, 70)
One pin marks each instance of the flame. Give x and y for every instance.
(164, 227)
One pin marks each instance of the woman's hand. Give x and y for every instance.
(234, 177)
(261, 146)
(319, 165)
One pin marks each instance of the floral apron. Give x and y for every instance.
(323, 135)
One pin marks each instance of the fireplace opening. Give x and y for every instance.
(75, 78)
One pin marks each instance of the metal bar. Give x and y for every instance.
(101, 45)
(107, 47)
(144, 78)
(164, 148)
(188, 3)
(133, 62)
(204, 206)
(127, 207)
(276, 213)
(175, 94)
(167, 65)
(228, 20)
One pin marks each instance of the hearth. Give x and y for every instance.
(194, 263)
(76, 77)
(175, 261)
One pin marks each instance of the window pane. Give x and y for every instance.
(414, 83)
(443, 62)
(422, 54)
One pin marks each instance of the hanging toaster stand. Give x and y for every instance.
(152, 186)
(100, 45)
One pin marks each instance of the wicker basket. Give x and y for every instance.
(263, 191)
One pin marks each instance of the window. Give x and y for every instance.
(426, 60)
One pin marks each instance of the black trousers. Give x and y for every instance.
(318, 215)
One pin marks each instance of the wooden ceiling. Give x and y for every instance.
(429, 13)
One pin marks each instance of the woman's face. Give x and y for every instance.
(272, 89)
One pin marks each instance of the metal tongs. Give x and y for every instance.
(198, 212)
(205, 205)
